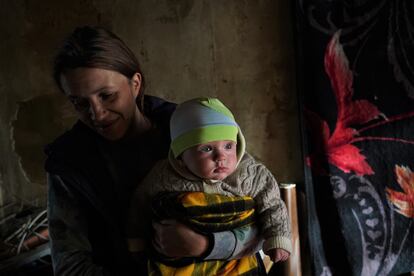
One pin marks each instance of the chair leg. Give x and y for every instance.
(291, 267)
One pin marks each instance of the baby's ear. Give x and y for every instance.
(180, 162)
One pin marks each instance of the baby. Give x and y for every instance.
(207, 158)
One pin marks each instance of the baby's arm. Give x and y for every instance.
(278, 254)
(273, 216)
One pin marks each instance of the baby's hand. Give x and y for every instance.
(277, 254)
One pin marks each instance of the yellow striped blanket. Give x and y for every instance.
(205, 213)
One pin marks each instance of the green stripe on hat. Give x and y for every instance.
(203, 135)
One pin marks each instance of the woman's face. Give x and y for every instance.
(103, 99)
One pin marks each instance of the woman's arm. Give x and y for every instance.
(175, 239)
(235, 244)
(138, 224)
(71, 250)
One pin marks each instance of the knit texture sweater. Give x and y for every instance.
(251, 178)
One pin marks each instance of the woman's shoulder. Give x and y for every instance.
(157, 108)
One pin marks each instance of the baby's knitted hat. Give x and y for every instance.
(203, 120)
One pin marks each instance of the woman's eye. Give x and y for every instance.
(107, 96)
(206, 149)
(79, 104)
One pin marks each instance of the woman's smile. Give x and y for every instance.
(107, 127)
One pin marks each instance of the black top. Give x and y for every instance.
(90, 184)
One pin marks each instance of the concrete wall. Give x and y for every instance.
(240, 51)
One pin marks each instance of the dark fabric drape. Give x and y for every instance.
(356, 83)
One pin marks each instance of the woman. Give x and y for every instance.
(94, 167)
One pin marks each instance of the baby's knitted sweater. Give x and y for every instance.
(251, 178)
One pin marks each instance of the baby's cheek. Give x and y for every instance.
(207, 171)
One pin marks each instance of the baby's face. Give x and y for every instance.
(214, 160)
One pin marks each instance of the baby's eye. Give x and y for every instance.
(229, 146)
(205, 148)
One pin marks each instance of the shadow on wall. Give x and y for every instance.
(38, 122)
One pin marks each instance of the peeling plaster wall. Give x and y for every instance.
(239, 51)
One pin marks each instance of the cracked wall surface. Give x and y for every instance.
(239, 51)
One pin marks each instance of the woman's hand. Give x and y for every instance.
(174, 239)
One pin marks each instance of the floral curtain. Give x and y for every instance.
(356, 83)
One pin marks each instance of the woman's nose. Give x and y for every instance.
(97, 111)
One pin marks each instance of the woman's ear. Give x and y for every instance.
(136, 81)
